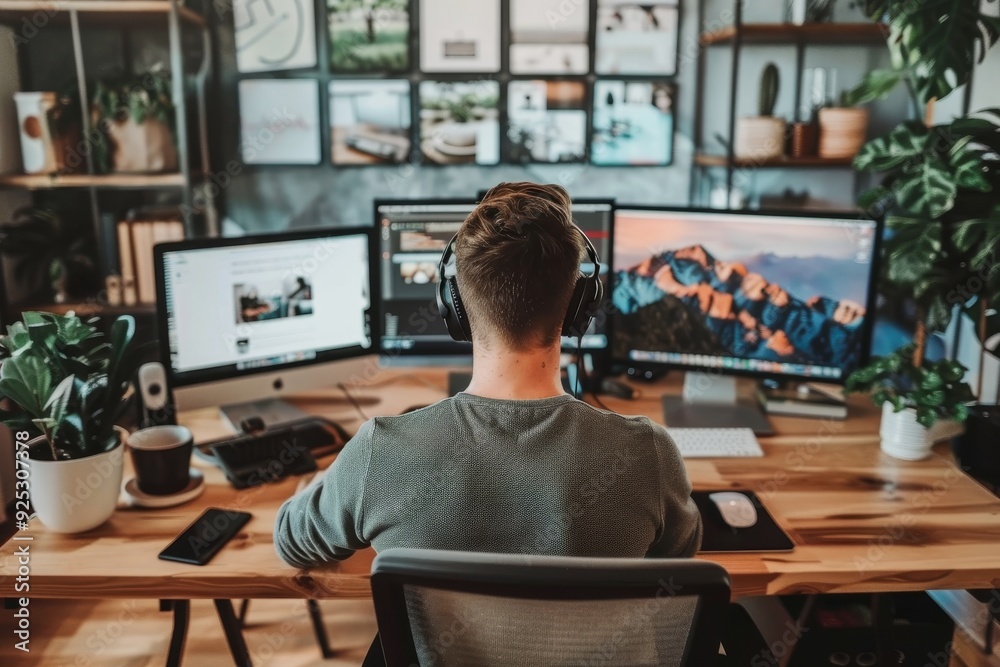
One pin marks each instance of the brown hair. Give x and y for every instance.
(517, 261)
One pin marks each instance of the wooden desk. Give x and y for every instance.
(861, 521)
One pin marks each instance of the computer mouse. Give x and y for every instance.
(737, 509)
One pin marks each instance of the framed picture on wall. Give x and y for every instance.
(274, 35)
(549, 37)
(547, 121)
(369, 35)
(633, 123)
(369, 121)
(279, 121)
(637, 38)
(459, 122)
(460, 36)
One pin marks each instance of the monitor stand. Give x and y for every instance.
(273, 411)
(711, 401)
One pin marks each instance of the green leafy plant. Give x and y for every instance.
(67, 379)
(50, 249)
(135, 98)
(934, 390)
(939, 181)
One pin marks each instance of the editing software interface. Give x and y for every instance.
(244, 308)
(413, 236)
(763, 294)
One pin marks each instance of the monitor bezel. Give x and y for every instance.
(868, 327)
(458, 349)
(447, 349)
(180, 380)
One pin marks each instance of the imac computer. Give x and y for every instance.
(245, 320)
(413, 234)
(776, 296)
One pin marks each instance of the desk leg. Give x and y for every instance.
(234, 633)
(320, 629)
(178, 637)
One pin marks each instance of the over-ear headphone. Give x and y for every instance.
(583, 304)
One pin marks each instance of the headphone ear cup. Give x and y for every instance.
(574, 310)
(459, 320)
(452, 311)
(581, 306)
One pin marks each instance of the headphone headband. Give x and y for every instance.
(586, 297)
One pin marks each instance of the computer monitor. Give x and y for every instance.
(256, 317)
(413, 235)
(783, 296)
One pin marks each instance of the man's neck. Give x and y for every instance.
(503, 373)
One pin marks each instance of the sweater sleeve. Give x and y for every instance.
(680, 533)
(324, 522)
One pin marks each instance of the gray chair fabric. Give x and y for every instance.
(449, 609)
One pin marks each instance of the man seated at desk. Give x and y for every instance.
(513, 464)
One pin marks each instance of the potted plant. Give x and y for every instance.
(52, 250)
(938, 194)
(842, 129)
(50, 132)
(921, 404)
(70, 383)
(136, 119)
(762, 137)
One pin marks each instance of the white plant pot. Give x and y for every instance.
(38, 153)
(903, 437)
(77, 495)
(760, 138)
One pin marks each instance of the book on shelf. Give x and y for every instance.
(136, 238)
(802, 401)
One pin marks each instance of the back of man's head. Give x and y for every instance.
(517, 260)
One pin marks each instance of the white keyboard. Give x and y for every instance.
(702, 443)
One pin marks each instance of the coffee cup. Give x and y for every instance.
(161, 456)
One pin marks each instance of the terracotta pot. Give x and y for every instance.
(141, 147)
(77, 495)
(842, 131)
(760, 138)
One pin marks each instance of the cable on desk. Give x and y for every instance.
(354, 401)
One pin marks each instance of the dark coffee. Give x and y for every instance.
(161, 456)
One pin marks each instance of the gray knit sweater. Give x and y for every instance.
(546, 476)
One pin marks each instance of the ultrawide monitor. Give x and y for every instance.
(252, 318)
(774, 295)
(413, 234)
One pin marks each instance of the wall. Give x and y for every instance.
(271, 198)
(274, 198)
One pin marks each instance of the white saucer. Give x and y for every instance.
(452, 150)
(195, 487)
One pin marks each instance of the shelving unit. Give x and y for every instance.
(99, 181)
(176, 17)
(740, 35)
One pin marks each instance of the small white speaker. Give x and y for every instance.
(157, 407)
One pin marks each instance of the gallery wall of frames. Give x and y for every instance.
(441, 82)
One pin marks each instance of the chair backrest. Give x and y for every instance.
(451, 608)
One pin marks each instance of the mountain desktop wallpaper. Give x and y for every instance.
(792, 293)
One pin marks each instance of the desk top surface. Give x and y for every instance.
(861, 521)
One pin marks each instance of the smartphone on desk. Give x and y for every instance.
(205, 537)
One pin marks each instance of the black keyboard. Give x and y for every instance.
(265, 457)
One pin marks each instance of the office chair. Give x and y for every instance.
(459, 608)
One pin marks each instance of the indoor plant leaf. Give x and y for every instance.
(876, 85)
(904, 144)
(970, 172)
(927, 189)
(27, 381)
